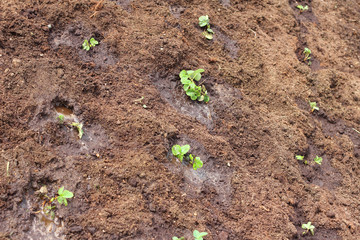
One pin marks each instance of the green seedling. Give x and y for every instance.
(199, 235)
(308, 227)
(48, 205)
(195, 92)
(302, 8)
(61, 118)
(313, 106)
(180, 151)
(176, 238)
(196, 162)
(204, 22)
(87, 45)
(318, 160)
(301, 158)
(307, 53)
(79, 128)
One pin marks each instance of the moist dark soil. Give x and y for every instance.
(127, 94)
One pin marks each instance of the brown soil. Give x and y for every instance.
(123, 176)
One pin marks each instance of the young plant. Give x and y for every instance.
(204, 22)
(318, 160)
(180, 151)
(302, 8)
(301, 158)
(79, 128)
(196, 162)
(61, 118)
(307, 53)
(176, 238)
(308, 227)
(313, 106)
(195, 92)
(87, 45)
(48, 205)
(199, 235)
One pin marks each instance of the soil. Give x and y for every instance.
(127, 93)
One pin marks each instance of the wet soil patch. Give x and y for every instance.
(172, 91)
(320, 233)
(229, 45)
(323, 175)
(125, 4)
(305, 16)
(74, 35)
(176, 10)
(62, 136)
(212, 180)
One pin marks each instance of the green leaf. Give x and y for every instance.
(183, 74)
(93, 42)
(206, 98)
(191, 158)
(203, 21)
(67, 194)
(210, 31)
(189, 72)
(186, 87)
(181, 157)
(85, 45)
(208, 35)
(185, 81)
(61, 190)
(197, 163)
(176, 150)
(185, 149)
(318, 160)
(196, 75)
(193, 97)
(299, 157)
(60, 199)
(199, 235)
(201, 98)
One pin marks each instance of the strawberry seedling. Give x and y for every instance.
(48, 205)
(308, 227)
(318, 160)
(176, 238)
(181, 151)
(302, 8)
(199, 235)
(313, 106)
(61, 118)
(195, 92)
(79, 128)
(307, 53)
(89, 44)
(204, 22)
(301, 158)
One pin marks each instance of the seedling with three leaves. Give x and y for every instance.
(89, 44)
(195, 92)
(302, 8)
(307, 53)
(317, 159)
(308, 227)
(61, 118)
(196, 234)
(313, 106)
(180, 152)
(204, 22)
(48, 205)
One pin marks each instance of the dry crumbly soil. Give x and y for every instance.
(124, 179)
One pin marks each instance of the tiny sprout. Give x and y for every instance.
(199, 235)
(79, 128)
(176, 238)
(307, 53)
(318, 160)
(61, 118)
(302, 8)
(301, 158)
(204, 22)
(87, 45)
(313, 106)
(308, 227)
